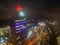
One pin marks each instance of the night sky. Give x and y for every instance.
(36, 3)
(6, 6)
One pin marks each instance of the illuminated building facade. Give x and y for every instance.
(5, 35)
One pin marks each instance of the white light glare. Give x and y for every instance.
(29, 34)
(21, 14)
(18, 37)
(2, 40)
(41, 23)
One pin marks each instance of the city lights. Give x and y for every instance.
(5, 34)
(42, 23)
(18, 37)
(1, 40)
(30, 34)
